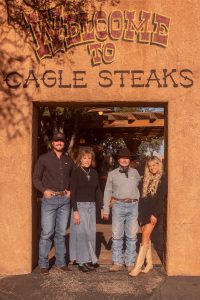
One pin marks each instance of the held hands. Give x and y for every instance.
(76, 218)
(153, 220)
(104, 215)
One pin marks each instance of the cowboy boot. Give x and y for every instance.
(140, 260)
(149, 265)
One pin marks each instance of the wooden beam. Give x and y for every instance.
(135, 135)
(131, 118)
(121, 124)
(152, 117)
(136, 123)
(111, 118)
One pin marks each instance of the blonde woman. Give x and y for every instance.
(151, 205)
(85, 194)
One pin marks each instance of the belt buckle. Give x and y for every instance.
(129, 201)
(61, 193)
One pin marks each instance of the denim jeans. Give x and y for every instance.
(83, 236)
(54, 218)
(124, 221)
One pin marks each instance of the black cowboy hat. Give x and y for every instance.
(124, 152)
(58, 136)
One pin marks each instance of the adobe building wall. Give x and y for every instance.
(163, 69)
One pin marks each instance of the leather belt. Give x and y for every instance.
(61, 193)
(126, 200)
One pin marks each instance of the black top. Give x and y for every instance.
(52, 173)
(153, 205)
(84, 190)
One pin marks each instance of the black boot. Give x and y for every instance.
(83, 268)
(90, 266)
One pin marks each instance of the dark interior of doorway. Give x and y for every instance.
(106, 129)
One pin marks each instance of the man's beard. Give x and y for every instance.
(58, 150)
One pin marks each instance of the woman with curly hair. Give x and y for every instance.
(85, 195)
(151, 204)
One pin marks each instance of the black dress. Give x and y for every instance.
(153, 205)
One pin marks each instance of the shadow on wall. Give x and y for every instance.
(15, 110)
(16, 39)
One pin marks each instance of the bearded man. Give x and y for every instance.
(52, 177)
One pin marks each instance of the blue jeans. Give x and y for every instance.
(54, 218)
(83, 236)
(124, 221)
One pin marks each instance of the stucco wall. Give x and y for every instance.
(16, 203)
(181, 53)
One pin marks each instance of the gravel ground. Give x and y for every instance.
(77, 285)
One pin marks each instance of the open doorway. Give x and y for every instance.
(106, 129)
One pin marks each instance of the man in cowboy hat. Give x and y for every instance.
(122, 193)
(51, 177)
